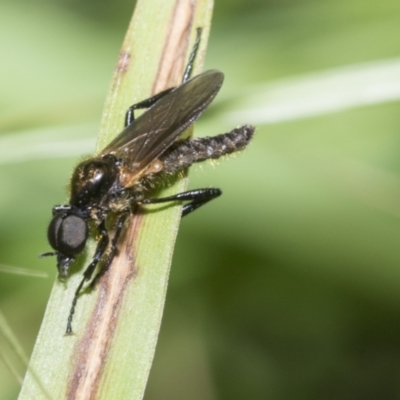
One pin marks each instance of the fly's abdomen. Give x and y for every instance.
(184, 153)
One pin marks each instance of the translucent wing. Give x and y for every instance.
(142, 142)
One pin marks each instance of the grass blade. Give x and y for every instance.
(116, 326)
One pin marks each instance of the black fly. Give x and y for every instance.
(126, 172)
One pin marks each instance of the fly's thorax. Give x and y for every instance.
(130, 176)
(92, 180)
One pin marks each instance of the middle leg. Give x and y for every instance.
(113, 249)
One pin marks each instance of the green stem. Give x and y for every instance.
(116, 326)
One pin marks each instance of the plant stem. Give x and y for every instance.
(116, 326)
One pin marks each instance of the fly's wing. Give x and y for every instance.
(142, 142)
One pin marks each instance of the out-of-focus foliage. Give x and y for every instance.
(288, 286)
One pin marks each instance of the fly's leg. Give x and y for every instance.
(113, 249)
(189, 67)
(100, 250)
(197, 198)
(130, 114)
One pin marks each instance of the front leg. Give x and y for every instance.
(100, 250)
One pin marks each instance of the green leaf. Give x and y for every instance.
(116, 326)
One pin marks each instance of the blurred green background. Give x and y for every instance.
(287, 287)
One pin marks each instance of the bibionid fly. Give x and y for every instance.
(126, 171)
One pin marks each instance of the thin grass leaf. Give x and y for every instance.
(8, 269)
(319, 93)
(39, 144)
(11, 367)
(18, 351)
(8, 334)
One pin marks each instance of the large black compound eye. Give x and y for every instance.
(67, 235)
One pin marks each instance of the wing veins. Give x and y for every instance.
(156, 129)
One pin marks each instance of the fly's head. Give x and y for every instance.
(67, 234)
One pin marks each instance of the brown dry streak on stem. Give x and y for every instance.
(173, 59)
(92, 350)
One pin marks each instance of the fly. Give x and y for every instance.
(128, 169)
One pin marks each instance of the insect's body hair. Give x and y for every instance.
(183, 153)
